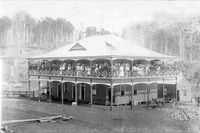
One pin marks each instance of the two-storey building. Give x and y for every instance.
(105, 70)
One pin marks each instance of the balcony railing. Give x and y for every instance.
(106, 74)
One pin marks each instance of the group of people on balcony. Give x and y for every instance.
(103, 69)
(121, 70)
(95, 70)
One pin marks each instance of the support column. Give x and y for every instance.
(163, 88)
(76, 92)
(76, 72)
(29, 86)
(176, 91)
(38, 88)
(62, 88)
(148, 88)
(111, 84)
(132, 89)
(111, 104)
(28, 78)
(125, 92)
(49, 89)
(91, 93)
(132, 68)
(91, 73)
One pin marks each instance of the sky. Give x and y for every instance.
(112, 15)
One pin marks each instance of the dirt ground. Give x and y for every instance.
(97, 119)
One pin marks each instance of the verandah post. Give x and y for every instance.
(111, 84)
(111, 104)
(132, 88)
(76, 72)
(132, 68)
(49, 89)
(76, 92)
(163, 88)
(176, 91)
(29, 82)
(148, 89)
(91, 67)
(38, 88)
(48, 86)
(62, 87)
(90, 92)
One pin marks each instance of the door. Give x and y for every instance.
(178, 96)
(82, 92)
(73, 91)
(59, 90)
(109, 95)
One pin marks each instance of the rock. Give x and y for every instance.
(188, 115)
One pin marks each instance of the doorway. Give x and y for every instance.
(82, 91)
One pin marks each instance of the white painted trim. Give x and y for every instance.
(83, 82)
(100, 84)
(56, 81)
(68, 81)
(115, 84)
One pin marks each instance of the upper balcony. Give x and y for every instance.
(103, 68)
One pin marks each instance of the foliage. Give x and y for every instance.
(181, 39)
(92, 30)
(24, 31)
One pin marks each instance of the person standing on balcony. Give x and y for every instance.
(147, 69)
(78, 69)
(88, 70)
(134, 69)
(127, 70)
(62, 68)
(96, 68)
(158, 70)
(72, 70)
(82, 69)
(121, 71)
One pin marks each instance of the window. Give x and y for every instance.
(82, 91)
(122, 93)
(94, 90)
(135, 91)
(65, 88)
(73, 91)
(58, 91)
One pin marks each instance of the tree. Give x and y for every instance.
(92, 30)
(5, 25)
(22, 26)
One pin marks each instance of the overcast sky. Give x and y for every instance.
(113, 15)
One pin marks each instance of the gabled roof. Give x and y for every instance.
(102, 46)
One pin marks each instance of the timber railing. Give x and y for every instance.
(105, 74)
(18, 94)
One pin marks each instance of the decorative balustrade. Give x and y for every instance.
(101, 74)
(105, 74)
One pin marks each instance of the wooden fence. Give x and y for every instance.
(18, 94)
